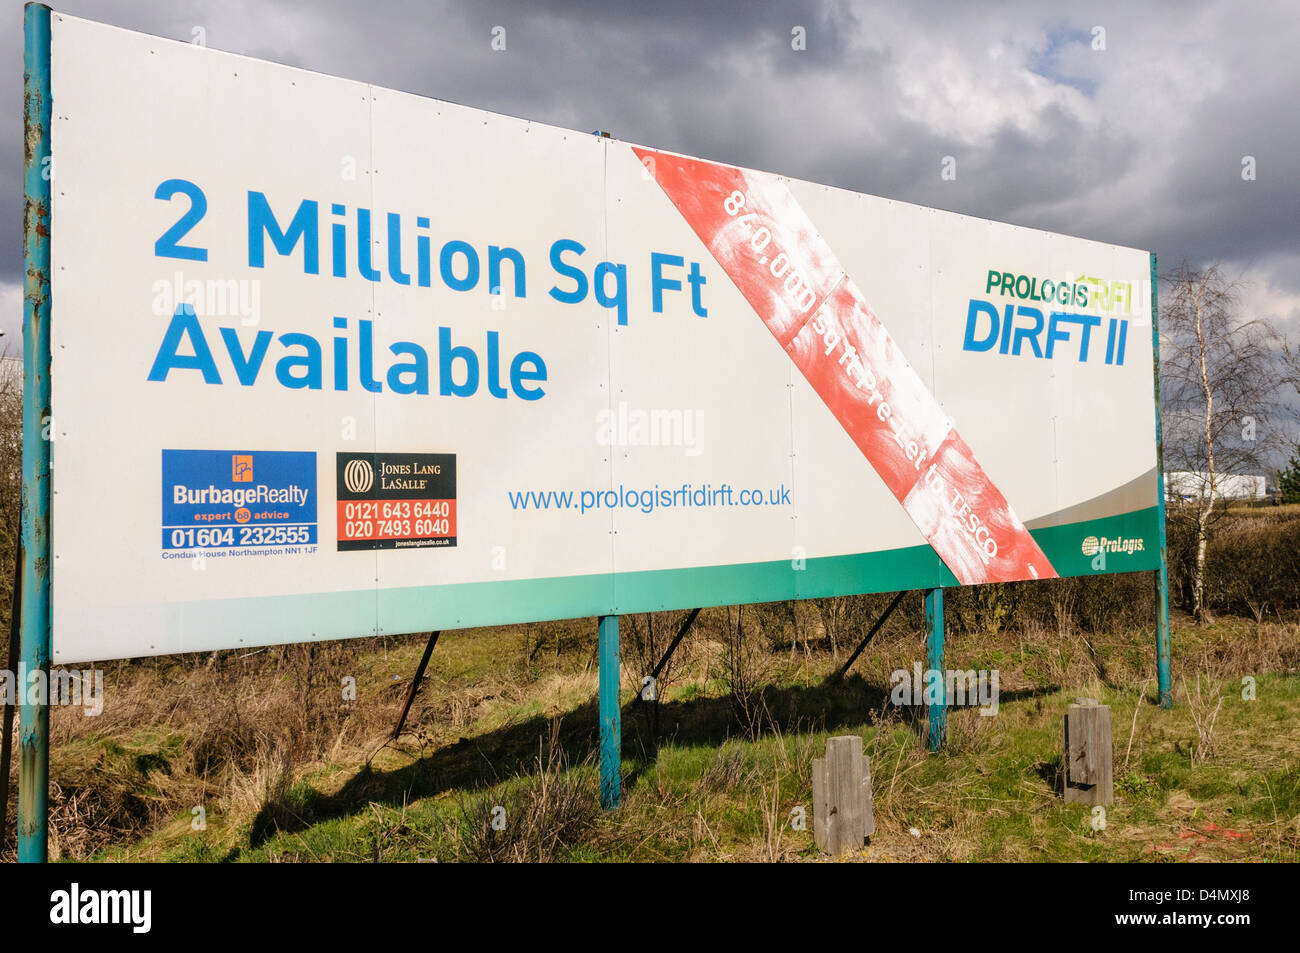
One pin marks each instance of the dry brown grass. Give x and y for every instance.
(548, 810)
(227, 732)
(1204, 700)
(236, 732)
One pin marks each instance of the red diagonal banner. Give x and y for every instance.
(754, 227)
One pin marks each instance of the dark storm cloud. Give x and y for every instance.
(1139, 143)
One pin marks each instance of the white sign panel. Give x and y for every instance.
(331, 360)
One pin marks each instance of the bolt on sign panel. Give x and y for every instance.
(331, 360)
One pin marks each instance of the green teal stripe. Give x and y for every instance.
(1064, 544)
(465, 605)
(336, 615)
(914, 567)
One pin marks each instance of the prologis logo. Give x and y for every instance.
(75, 906)
(1092, 545)
(1098, 549)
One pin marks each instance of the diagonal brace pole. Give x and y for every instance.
(870, 635)
(672, 647)
(415, 684)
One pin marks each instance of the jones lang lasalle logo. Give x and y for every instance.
(358, 476)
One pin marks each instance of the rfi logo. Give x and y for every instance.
(241, 468)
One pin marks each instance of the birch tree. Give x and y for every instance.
(1220, 377)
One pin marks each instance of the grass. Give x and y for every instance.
(498, 761)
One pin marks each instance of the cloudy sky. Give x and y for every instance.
(1123, 122)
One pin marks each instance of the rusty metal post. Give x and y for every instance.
(1164, 679)
(34, 739)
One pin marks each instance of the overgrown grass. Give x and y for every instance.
(261, 758)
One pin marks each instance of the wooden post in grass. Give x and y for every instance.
(1088, 778)
(842, 815)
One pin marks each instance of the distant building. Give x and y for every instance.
(1194, 484)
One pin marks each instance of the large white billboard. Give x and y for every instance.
(331, 360)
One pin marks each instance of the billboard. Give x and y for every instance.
(331, 360)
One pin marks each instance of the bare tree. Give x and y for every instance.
(1220, 376)
(1291, 378)
(11, 480)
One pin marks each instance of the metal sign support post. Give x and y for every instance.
(672, 647)
(610, 729)
(415, 683)
(843, 670)
(936, 711)
(34, 741)
(1163, 678)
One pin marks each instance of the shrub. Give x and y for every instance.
(1253, 567)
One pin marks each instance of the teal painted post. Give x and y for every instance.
(34, 613)
(1164, 680)
(611, 745)
(936, 712)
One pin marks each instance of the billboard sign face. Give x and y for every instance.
(331, 360)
